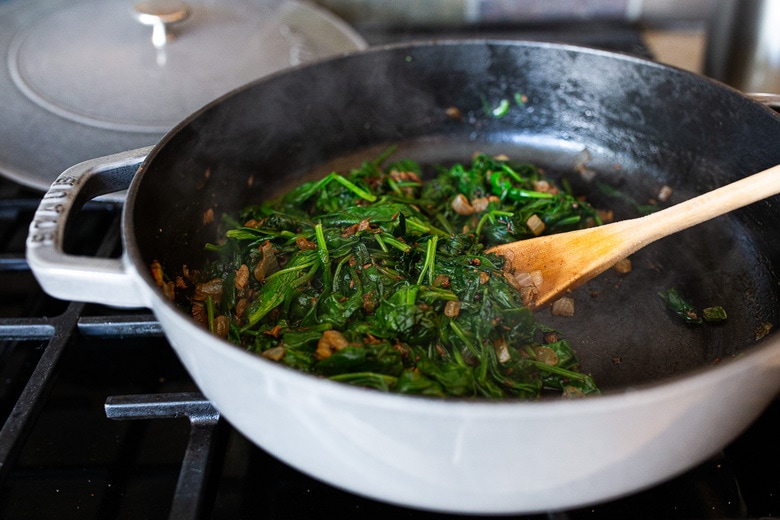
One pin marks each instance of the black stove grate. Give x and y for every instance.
(191, 488)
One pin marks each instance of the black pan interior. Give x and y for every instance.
(629, 124)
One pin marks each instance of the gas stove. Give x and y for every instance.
(100, 420)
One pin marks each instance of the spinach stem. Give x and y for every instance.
(430, 258)
(210, 313)
(363, 194)
(322, 252)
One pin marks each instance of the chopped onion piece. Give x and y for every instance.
(664, 193)
(544, 186)
(480, 204)
(274, 353)
(452, 309)
(537, 278)
(157, 273)
(570, 392)
(528, 295)
(461, 205)
(563, 307)
(606, 215)
(535, 225)
(623, 266)
(546, 355)
(522, 279)
(762, 330)
(502, 350)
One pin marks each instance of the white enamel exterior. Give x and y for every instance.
(456, 456)
(477, 457)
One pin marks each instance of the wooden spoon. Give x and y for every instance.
(548, 267)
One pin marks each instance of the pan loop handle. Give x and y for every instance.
(770, 100)
(80, 278)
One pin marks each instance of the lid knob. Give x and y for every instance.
(160, 14)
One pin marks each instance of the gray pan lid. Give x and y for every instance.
(88, 78)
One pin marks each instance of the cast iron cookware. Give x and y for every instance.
(672, 394)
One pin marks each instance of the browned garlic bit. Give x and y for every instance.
(241, 306)
(157, 273)
(242, 277)
(267, 264)
(454, 113)
(212, 289)
(304, 243)
(349, 231)
(198, 311)
(168, 288)
(221, 326)
(208, 217)
(331, 341)
(441, 280)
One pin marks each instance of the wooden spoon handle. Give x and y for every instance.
(707, 206)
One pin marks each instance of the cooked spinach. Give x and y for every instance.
(679, 306)
(378, 279)
(682, 308)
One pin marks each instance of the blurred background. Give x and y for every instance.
(674, 31)
(735, 41)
